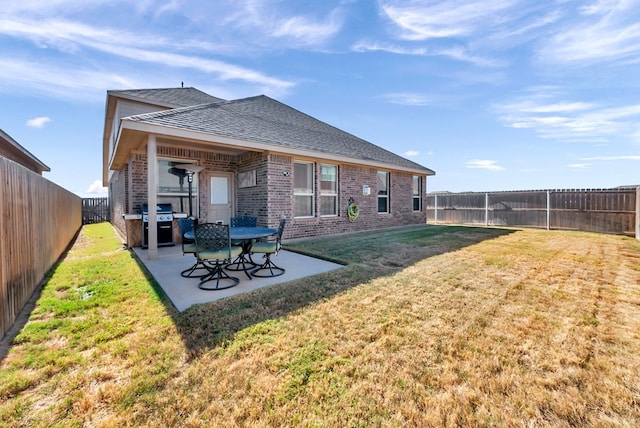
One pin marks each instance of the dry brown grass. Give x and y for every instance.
(481, 328)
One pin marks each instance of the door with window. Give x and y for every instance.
(220, 198)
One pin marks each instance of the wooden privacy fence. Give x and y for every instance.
(615, 211)
(38, 220)
(95, 210)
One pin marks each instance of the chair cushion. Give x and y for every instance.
(265, 247)
(221, 254)
(189, 248)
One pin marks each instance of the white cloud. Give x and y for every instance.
(462, 54)
(69, 37)
(38, 122)
(491, 165)
(579, 165)
(437, 19)
(608, 31)
(367, 46)
(96, 188)
(307, 31)
(408, 99)
(545, 112)
(60, 80)
(411, 153)
(613, 158)
(458, 53)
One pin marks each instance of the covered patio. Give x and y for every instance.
(184, 292)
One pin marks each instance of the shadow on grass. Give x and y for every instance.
(368, 256)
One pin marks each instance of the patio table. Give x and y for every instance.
(246, 235)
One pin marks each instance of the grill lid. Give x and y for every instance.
(160, 209)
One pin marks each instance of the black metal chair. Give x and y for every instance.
(189, 247)
(244, 261)
(244, 221)
(214, 251)
(268, 268)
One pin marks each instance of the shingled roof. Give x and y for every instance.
(265, 120)
(167, 97)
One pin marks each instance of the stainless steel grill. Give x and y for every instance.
(164, 219)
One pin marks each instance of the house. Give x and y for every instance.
(10, 149)
(253, 156)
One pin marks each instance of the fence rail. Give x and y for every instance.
(614, 211)
(95, 210)
(38, 220)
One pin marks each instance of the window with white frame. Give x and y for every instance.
(417, 197)
(303, 189)
(383, 192)
(173, 186)
(328, 190)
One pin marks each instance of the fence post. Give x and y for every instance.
(548, 210)
(638, 213)
(486, 209)
(435, 215)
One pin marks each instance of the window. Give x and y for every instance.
(383, 192)
(173, 186)
(328, 190)
(417, 197)
(303, 189)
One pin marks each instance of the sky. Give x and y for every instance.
(491, 95)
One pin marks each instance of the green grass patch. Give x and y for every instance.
(424, 326)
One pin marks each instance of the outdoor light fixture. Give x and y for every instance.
(190, 169)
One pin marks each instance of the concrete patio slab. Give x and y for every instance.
(184, 292)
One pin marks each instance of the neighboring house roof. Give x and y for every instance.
(10, 149)
(264, 120)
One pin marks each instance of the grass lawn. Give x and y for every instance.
(426, 326)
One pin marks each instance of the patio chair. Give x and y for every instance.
(244, 221)
(268, 268)
(214, 251)
(189, 247)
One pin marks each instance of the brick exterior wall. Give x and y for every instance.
(351, 178)
(117, 198)
(272, 196)
(254, 201)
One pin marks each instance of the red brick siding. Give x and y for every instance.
(280, 177)
(350, 181)
(272, 196)
(117, 195)
(253, 201)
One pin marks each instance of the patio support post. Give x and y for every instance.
(152, 199)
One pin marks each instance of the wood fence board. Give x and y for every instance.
(38, 221)
(95, 210)
(595, 210)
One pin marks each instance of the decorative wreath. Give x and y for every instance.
(353, 210)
